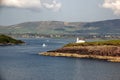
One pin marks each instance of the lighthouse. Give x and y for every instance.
(79, 40)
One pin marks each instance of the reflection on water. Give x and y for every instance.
(23, 63)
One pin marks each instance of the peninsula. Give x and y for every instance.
(106, 50)
(6, 40)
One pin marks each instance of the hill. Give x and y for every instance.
(6, 40)
(59, 27)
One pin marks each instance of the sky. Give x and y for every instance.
(19, 11)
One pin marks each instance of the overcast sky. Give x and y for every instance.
(18, 11)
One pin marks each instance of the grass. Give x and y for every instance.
(96, 43)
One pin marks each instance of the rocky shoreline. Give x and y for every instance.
(108, 58)
(104, 52)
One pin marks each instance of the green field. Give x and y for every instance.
(96, 43)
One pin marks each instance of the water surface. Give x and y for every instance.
(22, 62)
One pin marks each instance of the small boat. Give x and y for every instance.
(43, 45)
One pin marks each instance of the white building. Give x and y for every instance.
(79, 40)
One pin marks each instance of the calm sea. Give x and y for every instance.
(22, 62)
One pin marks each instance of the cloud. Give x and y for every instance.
(21, 3)
(0, 1)
(31, 4)
(54, 5)
(112, 4)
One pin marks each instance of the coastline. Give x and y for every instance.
(74, 55)
(10, 44)
(103, 50)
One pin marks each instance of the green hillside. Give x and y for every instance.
(8, 40)
(59, 27)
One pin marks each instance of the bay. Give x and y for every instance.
(22, 62)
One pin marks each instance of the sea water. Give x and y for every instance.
(22, 62)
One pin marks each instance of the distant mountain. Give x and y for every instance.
(59, 27)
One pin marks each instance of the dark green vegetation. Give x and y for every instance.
(59, 27)
(96, 43)
(6, 40)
